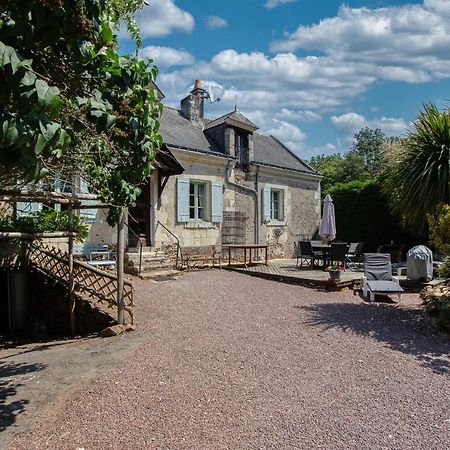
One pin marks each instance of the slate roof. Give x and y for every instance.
(177, 131)
(232, 116)
(271, 152)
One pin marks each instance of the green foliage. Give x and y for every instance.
(70, 103)
(437, 303)
(420, 180)
(439, 228)
(363, 162)
(368, 145)
(444, 268)
(362, 215)
(337, 168)
(46, 221)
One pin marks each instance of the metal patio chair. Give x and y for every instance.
(354, 252)
(304, 254)
(338, 252)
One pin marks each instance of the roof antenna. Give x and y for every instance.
(211, 96)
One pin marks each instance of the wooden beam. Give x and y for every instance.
(18, 235)
(47, 195)
(71, 287)
(120, 267)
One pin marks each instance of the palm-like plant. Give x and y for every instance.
(419, 179)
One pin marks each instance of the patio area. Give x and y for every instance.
(285, 270)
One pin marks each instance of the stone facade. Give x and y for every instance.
(301, 205)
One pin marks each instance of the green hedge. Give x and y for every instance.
(362, 215)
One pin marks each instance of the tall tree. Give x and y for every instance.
(69, 102)
(419, 179)
(368, 145)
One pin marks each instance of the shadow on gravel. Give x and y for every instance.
(406, 330)
(10, 376)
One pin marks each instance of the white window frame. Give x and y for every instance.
(206, 199)
(268, 207)
(279, 216)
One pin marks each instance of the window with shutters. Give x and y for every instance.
(199, 201)
(273, 205)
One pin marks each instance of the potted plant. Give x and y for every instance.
(334, 271)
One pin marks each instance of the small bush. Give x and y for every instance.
(444, 269)
(437, 303)
(439, 225)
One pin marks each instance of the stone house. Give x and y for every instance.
(220, 182)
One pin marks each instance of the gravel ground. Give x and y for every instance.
(227, 361)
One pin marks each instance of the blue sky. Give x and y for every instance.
(312, 73)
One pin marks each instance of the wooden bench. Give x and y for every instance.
(192, 256)
(95, 254)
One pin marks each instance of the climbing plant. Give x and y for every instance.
(69, 103)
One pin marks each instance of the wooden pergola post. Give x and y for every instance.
(72, 302)
(120, 266)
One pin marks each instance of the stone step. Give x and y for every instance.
(146, 255)
(136, 258)
(145, 249)
(161, 275)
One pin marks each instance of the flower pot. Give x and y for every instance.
(335, 275)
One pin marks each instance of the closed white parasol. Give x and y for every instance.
(327, 229)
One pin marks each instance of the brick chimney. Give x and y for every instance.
(192, 106)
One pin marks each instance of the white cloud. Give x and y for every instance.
(406, 43)
(301, 115)
(348, 123)
(351, 122)
(216, 22)
(270, 4)
(165, 57)
(286, 131)
(163, 17)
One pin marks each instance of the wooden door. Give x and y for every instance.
(139, 219)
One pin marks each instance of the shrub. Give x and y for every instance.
(362, 215)
(437, 302)
(46, 221)
(439, 225)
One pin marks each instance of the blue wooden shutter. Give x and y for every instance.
(182, 200)
(266, 204)
(217, 203)
(88, 215)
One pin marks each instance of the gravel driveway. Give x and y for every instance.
(226, 361)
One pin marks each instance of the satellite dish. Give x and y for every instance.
(211, 95)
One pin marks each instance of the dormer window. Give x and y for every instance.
(241, 141)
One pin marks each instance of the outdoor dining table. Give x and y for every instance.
(245, 247)
(324, 248)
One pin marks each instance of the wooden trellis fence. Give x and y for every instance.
(99, 285)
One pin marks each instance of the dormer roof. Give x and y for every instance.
(234, 119)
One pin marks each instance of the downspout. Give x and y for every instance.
(247, 189)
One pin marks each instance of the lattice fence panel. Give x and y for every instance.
(100, 286)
